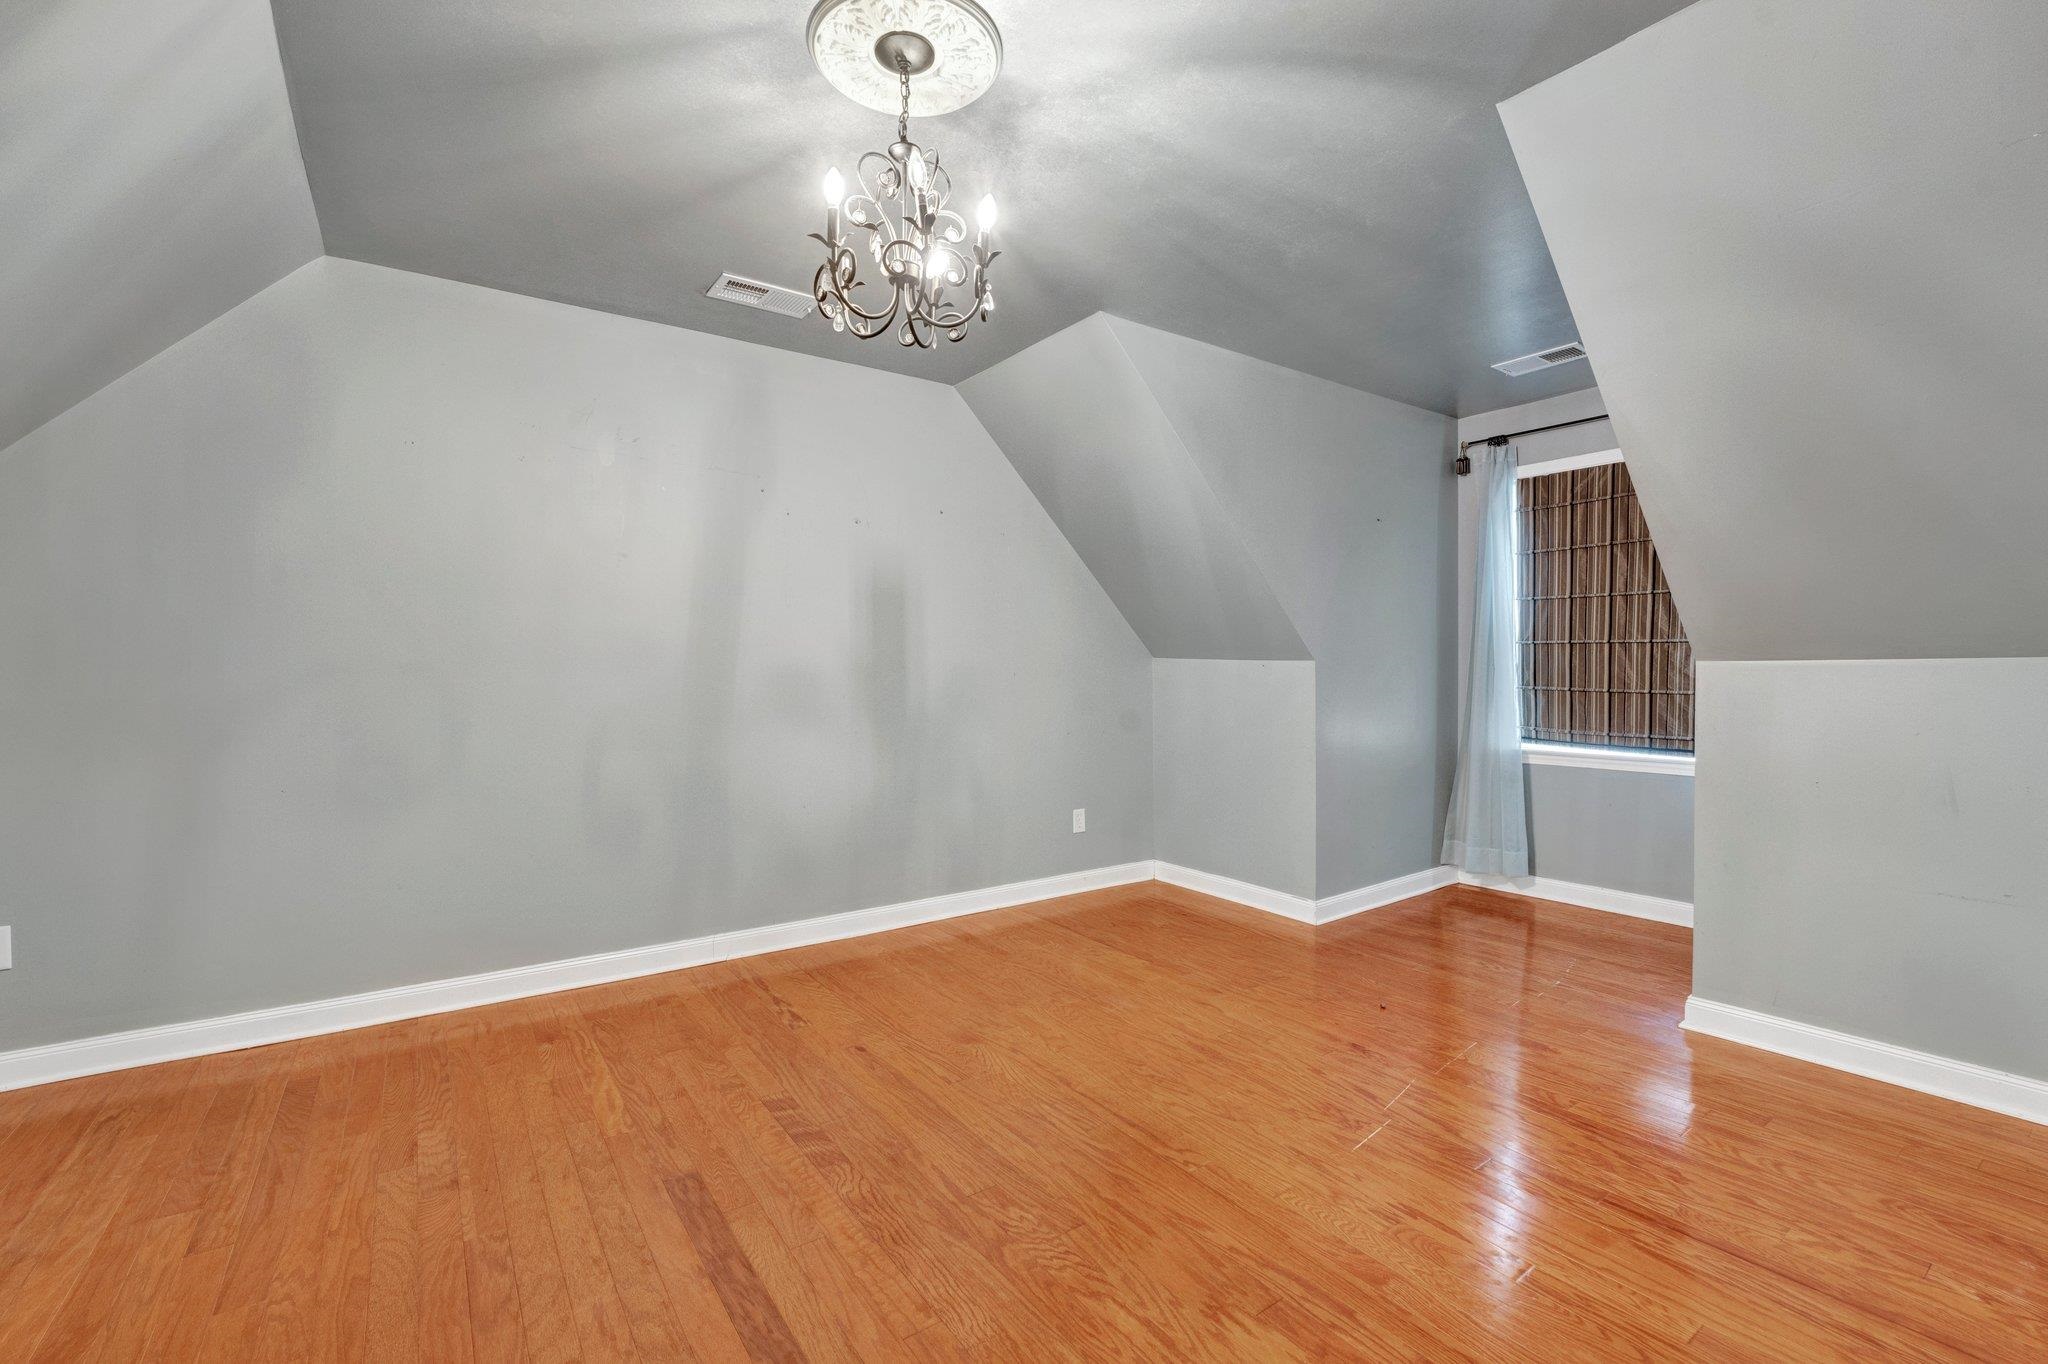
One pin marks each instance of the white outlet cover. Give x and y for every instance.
(1080, 821)
(6, 947)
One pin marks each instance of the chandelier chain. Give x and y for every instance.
(903, 118)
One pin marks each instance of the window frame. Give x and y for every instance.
(1546, 753)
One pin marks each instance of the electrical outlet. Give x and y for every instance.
(1080, 821)
(6, 947)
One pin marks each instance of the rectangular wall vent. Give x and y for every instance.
(752, 292)
(1542, 359)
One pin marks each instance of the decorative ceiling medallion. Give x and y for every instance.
(966, 51)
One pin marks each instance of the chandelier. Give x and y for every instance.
(934, 282)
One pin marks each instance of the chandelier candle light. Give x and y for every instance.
(937, 283)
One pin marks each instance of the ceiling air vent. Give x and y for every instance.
(752, 292)
(1542, 359)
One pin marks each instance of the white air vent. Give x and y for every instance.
(1542, 359)
(752, 292)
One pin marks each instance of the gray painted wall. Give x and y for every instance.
(1234, 769)
(1619, 830)
(389, 629)
(1873, 843)
(149, 181)
(1818, 314)
(1085, 431)
(1345, 502)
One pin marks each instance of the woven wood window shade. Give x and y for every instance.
(1604, 658)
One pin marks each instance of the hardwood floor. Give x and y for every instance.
(1137, 1124)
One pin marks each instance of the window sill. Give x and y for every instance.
(1610, 759)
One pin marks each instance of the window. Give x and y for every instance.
(1605, 661)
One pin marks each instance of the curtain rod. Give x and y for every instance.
(1464, 464)
(1465, 445)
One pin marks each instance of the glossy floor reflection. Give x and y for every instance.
(1134, 1124)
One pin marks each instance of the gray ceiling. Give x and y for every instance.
(1322, 184)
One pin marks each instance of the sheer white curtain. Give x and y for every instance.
(1487, 831)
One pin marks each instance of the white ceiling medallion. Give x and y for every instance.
(965, 51)
(905, 57)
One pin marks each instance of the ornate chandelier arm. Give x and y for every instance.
(831, 286)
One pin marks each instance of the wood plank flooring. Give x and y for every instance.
(1137, 1124)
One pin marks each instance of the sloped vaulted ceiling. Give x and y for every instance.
(149, 181)
(1808, 244)
(1323, 185)
(1086, 431)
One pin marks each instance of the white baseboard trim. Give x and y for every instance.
(177, 1041)
(1335, 907)
(1588, 897)
(1279, 902)
(1299, 907)
(1962, 1081)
